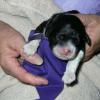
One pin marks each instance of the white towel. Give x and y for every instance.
(25, 15)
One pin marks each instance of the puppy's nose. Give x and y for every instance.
(65, 51)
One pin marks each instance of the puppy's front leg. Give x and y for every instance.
(31, 47)
(69, 75)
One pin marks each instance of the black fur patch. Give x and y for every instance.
(62, 27)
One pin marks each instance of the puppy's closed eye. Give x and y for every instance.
(61, 37)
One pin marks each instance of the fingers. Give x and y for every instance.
(87, 57)
(14, 69)
(89, 52)
(34, 59)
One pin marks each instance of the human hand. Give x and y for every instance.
(92, 24)
(11, 43)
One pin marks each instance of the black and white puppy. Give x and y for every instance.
(67, 38)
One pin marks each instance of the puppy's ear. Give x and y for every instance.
(49, 24)
(72, 12)
(44, 26)
(41, 27)
(87, 39)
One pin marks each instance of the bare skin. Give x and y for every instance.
(92, 24)
(12, 42)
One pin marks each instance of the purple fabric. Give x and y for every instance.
(52, 69)
(83, 6)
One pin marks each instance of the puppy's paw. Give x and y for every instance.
(69, 77)
(31, 47)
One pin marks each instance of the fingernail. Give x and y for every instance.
(44, 82)
(38, 60)
(41, 81)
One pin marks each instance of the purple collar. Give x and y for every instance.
(52, 69)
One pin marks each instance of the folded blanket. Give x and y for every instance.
(52, 69)
(36, 10)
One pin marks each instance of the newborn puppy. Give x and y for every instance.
(67, 38)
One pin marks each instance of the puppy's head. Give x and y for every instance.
(66, 35)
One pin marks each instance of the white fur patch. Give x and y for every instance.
(31, 47)
(69, 75)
